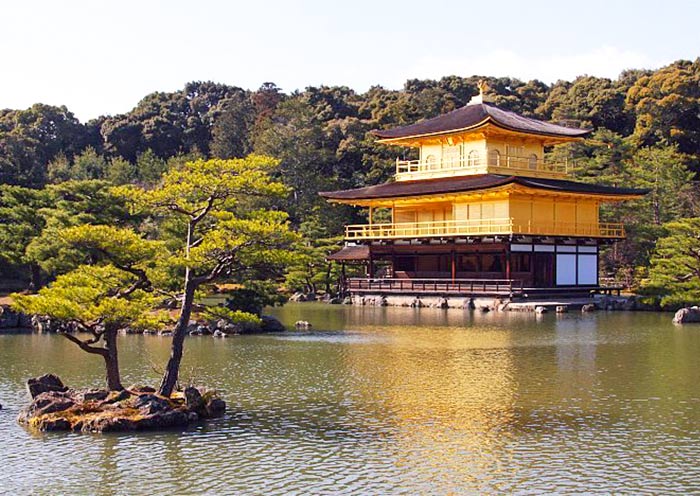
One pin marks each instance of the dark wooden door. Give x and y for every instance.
(543, 270)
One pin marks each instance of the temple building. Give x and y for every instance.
(480, 211)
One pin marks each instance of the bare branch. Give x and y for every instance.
(168, 294)
(205, 210)
(223, 264)
(196, 242)
(143, 281)
(176, 208)
(84, 345)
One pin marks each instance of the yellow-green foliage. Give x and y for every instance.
(233, 316)
(68, 204)
(224, 203)
(122, 246)
(217, 225)
(188, 189)
(259, 239)
(100, 292)
(91, 294)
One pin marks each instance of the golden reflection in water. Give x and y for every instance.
(576, 357)
(452, 388)
(389, 401)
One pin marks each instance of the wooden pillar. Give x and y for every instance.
(343, 289)
(371, 214)
(507, 261)
(370, 267)
(454, 265)
(597, 266)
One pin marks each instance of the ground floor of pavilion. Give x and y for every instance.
(495, 266)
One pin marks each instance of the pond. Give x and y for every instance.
(388, 401)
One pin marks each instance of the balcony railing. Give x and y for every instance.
(508, 287)
(481, 227)
(526, 166)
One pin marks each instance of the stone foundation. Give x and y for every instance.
(422, 301)
(490, 303)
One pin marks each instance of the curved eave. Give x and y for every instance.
(509, 184)
(395, 141)
(390, 200)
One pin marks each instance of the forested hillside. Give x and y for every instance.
(647, 134)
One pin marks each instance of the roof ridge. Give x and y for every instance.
(475, 115)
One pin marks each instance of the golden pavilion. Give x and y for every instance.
(480, 211)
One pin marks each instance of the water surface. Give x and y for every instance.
(388, 401)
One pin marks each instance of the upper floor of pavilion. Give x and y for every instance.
(480, 138)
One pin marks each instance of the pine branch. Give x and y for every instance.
(85, 345)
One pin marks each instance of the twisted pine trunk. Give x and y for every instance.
(111, 359)
(172, 369)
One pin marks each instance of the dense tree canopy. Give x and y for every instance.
(674, 276)
(645, 134)
(211, 119)
(589, 102)
(30, 138)
(666, 105)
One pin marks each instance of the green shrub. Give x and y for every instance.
(236, 317)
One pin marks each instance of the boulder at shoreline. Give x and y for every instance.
(13, 321)
(688, 315)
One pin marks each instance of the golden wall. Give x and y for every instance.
(524, 210)
(516, 148)
(428, 214)
(456, 152)
(460, 150)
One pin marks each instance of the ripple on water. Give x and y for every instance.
(333, 337)
(454, 405)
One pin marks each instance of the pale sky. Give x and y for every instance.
(101, 57)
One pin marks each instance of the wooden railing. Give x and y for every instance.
(481, 227)
(428, 229)
(437, 286)
(461, 166)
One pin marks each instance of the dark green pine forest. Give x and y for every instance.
(56, 172)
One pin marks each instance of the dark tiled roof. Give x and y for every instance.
(472, 115)
(470, 183)
(348, 253)
(575, 187)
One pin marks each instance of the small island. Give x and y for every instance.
(55, 407)
(124, 279)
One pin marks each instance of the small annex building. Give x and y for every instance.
(480, 211)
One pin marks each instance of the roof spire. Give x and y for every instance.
(483, 88)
